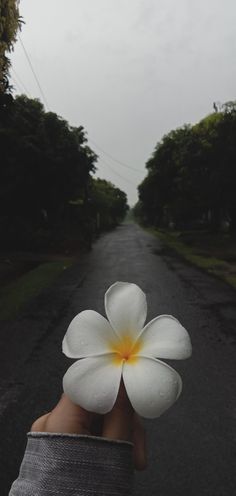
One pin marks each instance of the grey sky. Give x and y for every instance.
(128, 70)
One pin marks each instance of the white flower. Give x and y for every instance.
(109, 350)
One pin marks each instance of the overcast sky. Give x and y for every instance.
(129, 71)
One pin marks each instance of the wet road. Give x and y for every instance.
(192, 447)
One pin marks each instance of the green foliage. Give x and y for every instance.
(9, 24)
(192, 174)
(45, 181)
(15, 295)
(202, 256)
(109, 203)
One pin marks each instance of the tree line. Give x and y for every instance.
(48, 195)
(191, 175)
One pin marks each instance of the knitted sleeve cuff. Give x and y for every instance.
(78, 465)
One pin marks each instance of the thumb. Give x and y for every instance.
(118, 423)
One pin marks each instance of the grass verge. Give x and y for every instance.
(15, 295)
(201, 257)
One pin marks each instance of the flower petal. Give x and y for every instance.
(88, 334)
(165, 337)
(93, 383)
(126, 308)
(151, 385)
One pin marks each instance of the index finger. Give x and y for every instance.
(66, 418)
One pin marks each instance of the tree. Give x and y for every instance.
(108, 203)
(192, 174)
(10, 22)
(45, 165)
(47, 193)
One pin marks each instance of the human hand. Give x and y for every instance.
(121, 423)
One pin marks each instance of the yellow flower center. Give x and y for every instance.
(125, 349)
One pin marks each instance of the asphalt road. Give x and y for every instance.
(191, 447)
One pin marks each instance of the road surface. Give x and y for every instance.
(191, 447)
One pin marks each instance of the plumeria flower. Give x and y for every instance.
(121, 348)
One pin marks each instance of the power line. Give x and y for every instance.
(92, 141)
(34, 73)
(119, 175)
(47, 106)
(113, 158)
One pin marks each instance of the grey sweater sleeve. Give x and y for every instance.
(74, 465)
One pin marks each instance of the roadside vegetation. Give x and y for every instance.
(50, 202)
(49, 199)
(214, 254)
(15, 295)
(188, 195)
